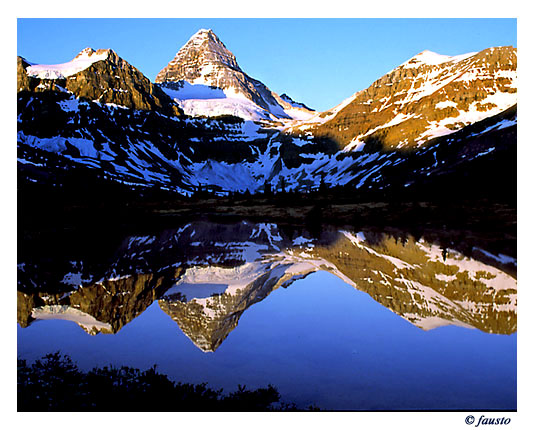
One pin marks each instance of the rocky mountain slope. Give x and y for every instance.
(205, 79)
(100, 76)
(428, 96)
(434, 121)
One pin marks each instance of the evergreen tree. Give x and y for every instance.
(267, 189)
(323, 186)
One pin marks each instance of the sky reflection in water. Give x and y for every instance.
(319, 340)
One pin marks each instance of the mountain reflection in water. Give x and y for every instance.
(204, 275)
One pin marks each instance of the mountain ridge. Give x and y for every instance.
(426, 96)
(100, 76)
(107, 116)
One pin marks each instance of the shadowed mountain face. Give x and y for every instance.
(433, 120)
(101, 76)
(205, 275)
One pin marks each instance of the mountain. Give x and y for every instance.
(436, 124)
(98, 112)
(205, 79)
(428, 96)
(205, 275)
(101, 76)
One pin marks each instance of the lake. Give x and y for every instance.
(340, 319)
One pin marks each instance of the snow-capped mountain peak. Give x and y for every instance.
(199, 60)
(202, 34)
(428, 96)
(82, 61)
(90, 52)
(359, 144)
(430, 58)
(205, 80)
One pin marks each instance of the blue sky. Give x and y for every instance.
(319, 62)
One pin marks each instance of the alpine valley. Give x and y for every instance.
(360, 258)
(435, 122)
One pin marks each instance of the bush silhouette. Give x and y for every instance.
(54, 383)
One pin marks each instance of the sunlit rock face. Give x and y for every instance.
(202, 50)
(434, 119)
(205, 275)
(428, 96)
(207, 74)
(98, 75)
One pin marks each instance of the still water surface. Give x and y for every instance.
(346, 321)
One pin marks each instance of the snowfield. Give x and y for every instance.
(60, 71)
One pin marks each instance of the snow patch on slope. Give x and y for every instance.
(56, 312)
(430, 58)
(60, 71)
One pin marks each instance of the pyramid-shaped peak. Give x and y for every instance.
(204, 36)
(204, 32)
(203, 53)
(206, 41)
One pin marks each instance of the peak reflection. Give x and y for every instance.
(204, 275)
